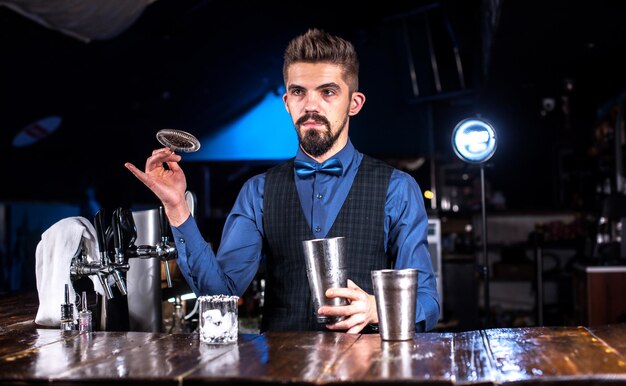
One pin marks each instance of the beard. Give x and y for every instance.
(316, 142)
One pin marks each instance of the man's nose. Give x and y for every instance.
(311, 104)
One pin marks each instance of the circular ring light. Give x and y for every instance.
(474, 140)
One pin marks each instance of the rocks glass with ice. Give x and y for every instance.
(218, 319)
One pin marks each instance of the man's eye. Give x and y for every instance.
(296, 92)
(329, 92)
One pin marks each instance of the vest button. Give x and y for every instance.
(318, 229)
(319, 196)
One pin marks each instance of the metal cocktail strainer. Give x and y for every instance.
(178, 140)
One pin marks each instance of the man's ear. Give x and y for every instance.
(356, 103)
(285, 102)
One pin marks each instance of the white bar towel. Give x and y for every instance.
(54, 253)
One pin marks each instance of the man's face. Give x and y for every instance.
(320, 104)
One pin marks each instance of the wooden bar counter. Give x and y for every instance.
(515, 356)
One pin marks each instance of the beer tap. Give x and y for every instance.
(118, 247)
(165, 245)
(81, 266)
(116, 244)
(164, 250)
(100, 227)
(102, 272)
(119, 251)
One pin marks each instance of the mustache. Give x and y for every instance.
(312, 116)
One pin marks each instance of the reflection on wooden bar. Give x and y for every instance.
(520, 356)
(472, 363)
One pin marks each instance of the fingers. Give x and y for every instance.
(353, 323)
(173, 166)
(159, 156)
(156, 160)
(154, 163)
(358, 313)
(356, 329)
(352, 292)
(163, 150)
(138, 173)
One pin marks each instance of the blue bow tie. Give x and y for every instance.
(306, 169)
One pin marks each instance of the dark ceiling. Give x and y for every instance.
(574, 53)
(197, 65)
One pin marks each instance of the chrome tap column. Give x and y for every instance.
(144, 277)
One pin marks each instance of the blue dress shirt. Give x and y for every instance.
(231, 270)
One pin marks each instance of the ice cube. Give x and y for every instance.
(212, 316)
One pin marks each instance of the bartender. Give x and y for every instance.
(329, 189)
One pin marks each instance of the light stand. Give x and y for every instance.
(474, 141)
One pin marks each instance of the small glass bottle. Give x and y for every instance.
(67, 312)
(178, 317)
(84, 316)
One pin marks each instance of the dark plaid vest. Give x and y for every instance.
(288, 305)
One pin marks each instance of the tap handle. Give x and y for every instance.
(168, 275)
(100, 227)
(117, 229)
(164, 224)
(118, 236)
(129, 228)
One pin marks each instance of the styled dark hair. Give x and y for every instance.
(318, 46)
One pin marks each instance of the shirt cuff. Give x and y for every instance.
(189, 234)
(187, 238)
